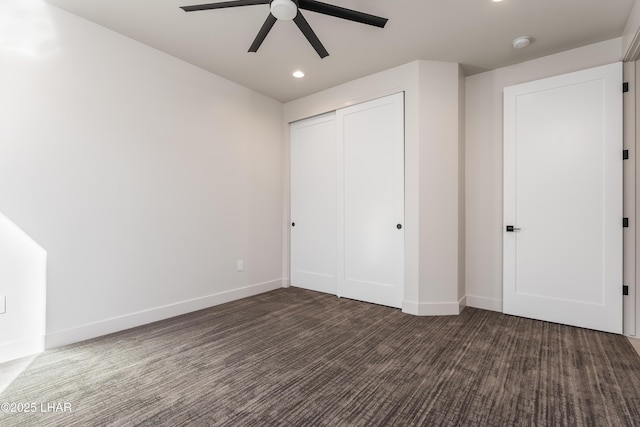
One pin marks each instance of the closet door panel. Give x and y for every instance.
(313, 204)
(370, 142)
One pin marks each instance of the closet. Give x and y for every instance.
(347, 202)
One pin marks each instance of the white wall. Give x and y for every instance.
(631, 35)
(462, 290)
(484, 124)
(440, 187)
(23, 265)
(432, 144)
(143, 178)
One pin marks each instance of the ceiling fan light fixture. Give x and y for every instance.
(284, 10)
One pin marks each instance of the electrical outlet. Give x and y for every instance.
(3, 304)
(240, 265)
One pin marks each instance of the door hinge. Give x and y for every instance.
(625, 87)
(625, 290)
(625, 222)
(625, 154)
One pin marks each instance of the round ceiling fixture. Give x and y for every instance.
(284, 10)
(298, 74)
(522, 41)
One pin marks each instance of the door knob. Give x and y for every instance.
(293, 224)
(399, 226)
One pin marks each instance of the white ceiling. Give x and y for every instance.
(474, 33)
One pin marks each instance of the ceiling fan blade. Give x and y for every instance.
(341, 12)
(223, 5)
(262, 34)
(310, 35)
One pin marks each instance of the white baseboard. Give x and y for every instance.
(120, 323)
(434, 308)
(484, 303)
(22, 348)
(462, 303)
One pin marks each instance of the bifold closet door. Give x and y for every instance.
(313, 204)
(370, 139)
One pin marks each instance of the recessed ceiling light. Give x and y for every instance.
(298, 74)
(520, 42)
(497, 1)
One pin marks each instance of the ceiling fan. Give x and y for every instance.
(287, 10)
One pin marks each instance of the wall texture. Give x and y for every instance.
(484, 162)
(141, 179)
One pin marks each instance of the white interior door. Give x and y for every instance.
(314, 204)
(370, 141)
(563, 197)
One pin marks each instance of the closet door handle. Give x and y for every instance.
(293, 224)
(399, 226)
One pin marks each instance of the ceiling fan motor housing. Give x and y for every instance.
(284, 10)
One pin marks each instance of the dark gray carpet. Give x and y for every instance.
(295, 357)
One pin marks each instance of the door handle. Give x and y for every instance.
(399, 226)
(511, 228)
